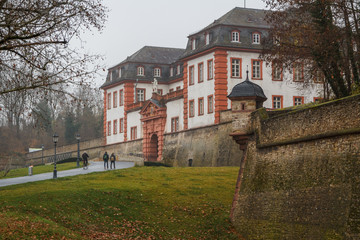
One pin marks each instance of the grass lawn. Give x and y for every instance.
(135, 203)
(21, 172)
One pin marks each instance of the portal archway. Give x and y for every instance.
(154, 148)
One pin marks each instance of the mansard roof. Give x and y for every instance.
(246, 17)
(157, 55)
(244, 20)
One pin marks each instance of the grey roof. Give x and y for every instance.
(247, 89)
(242, 17)
(245, 20)
(158, 55)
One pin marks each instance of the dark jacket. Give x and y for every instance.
(112, 157)
(85, 156)
(106, 157)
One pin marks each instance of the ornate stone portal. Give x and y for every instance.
(153, 117)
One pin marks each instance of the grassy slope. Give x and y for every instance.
(20, 172)
(144, 202)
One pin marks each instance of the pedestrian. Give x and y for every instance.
(106, 160)
(112, 160)
(85, 157)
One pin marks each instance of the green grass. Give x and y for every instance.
(20, 172)
(135, 203)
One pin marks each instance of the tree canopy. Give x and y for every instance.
(322, 34)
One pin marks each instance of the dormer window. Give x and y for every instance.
(256, 38)
(119, 73)
(207, 38)
(140, 71)
(235, 36)
(171, 71)
(193, 44)
(110, 75)
(157, 72)
(178, 70)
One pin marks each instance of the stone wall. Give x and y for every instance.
(207, 146)
(301, 174)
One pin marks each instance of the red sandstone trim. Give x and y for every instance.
(185, 92)
(105, 116)
(128, 99)
(220, 83)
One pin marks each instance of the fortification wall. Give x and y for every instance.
(301, 174)
(207, 146)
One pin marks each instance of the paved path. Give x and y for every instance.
(93, 167)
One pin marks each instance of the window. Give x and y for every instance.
(201, 106)
(276, 71)
(110, 75)
(115, 127)
(256, 69)
(207, 38)
(235, 36)
(109, 128)
(210, 69)
(210, 104)
(119, 72)
(319, 77)
(178, 69)
(178, 88)
(109, 101)
(171, 71)
(121, 125)
(236, 67)
(298, 72)
(171, 90)
(175, 124)
(121, 97)
(298, 101)
(157, 72)
(160, 91)
(115, 99)
(317, 100)
(140, 94)
(200, 72)
(133, 133)
(277, 102)
(191, 75)
(256, 38)
(193, 44)
(191, 108)
(140, 71)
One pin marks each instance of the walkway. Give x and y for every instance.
(93, 167)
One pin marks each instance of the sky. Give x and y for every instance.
(133, 24)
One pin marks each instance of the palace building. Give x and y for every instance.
(160, 90)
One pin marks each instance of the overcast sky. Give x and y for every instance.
(133, 24)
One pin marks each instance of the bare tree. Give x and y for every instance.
(35, 35)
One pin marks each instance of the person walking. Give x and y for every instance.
(106, 160)
(112, 160)
(85, 157)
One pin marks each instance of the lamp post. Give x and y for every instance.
(78, 152)
(42, 153)
(55, 140)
